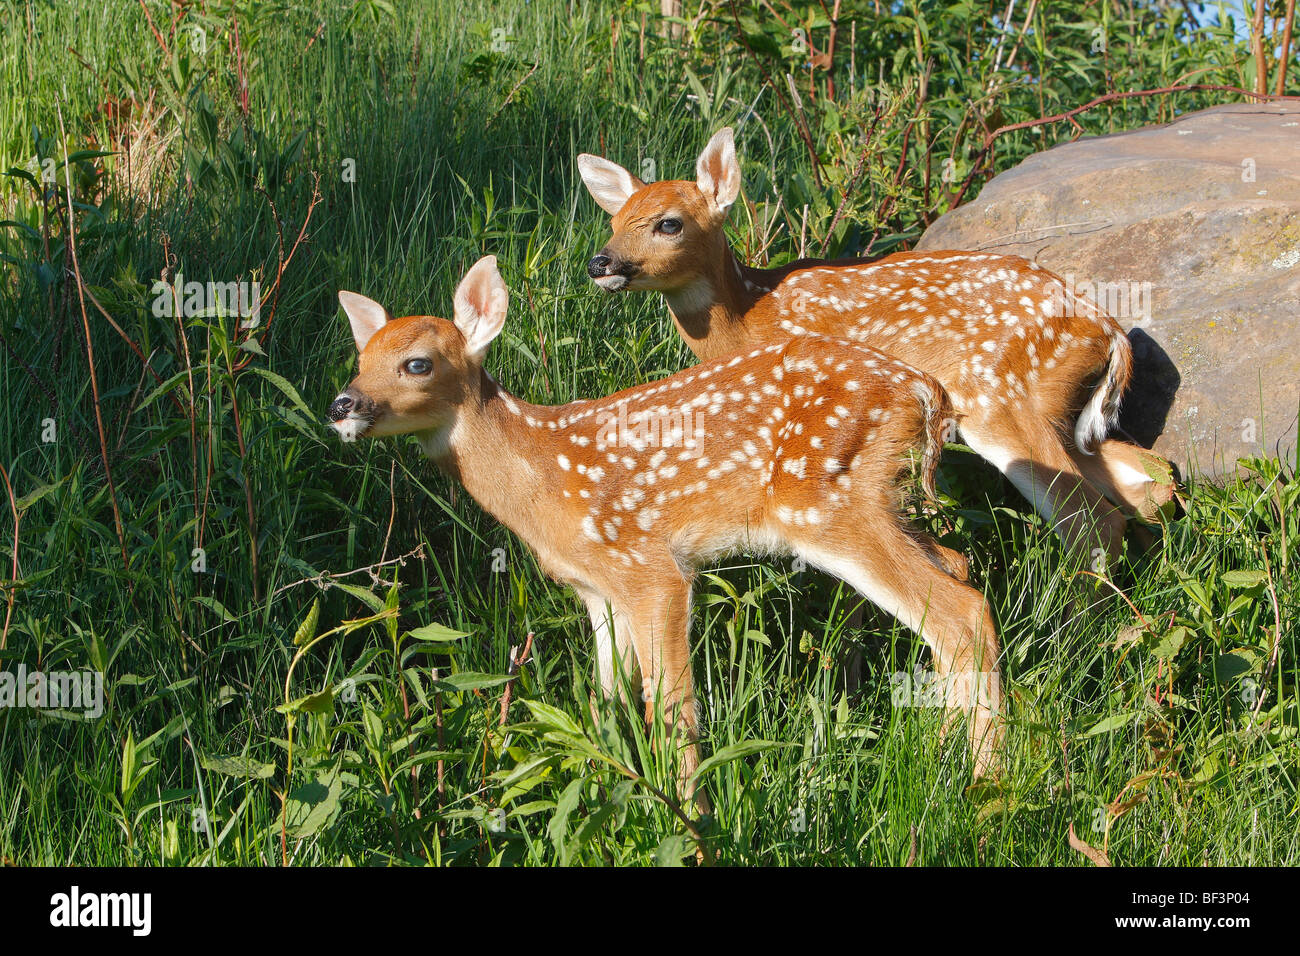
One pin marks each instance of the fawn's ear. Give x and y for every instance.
(480, 306)
(609, 183)
(717, 172)
(366, 315)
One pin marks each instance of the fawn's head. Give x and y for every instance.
(414, 373)
(666, 234)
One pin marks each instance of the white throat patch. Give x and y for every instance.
(691, 299)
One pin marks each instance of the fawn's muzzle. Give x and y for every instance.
(610, 273)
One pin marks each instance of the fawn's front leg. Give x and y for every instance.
(660, 622)
(615, 655)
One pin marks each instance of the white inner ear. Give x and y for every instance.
(366, 317)
(717, 172)
(480, 306)
(609, 183)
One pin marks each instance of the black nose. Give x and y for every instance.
(598, 266)
(339, 410)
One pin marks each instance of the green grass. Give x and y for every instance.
(461, 150)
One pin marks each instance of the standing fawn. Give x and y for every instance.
(796, 448)
(1016, 351)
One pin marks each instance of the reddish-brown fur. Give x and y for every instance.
(794, 448)
(1022, 358)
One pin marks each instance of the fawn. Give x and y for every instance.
(1015, 350)
(796, 448)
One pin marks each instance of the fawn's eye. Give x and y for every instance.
(419, 366)
(669, 227)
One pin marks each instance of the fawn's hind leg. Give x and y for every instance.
(1032, 455)
(895, 572)
(945, 559)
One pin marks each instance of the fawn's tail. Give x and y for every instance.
(940, 426)
(1101, 414)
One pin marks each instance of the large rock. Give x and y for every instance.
(1207, 211)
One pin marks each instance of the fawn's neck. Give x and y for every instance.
(709, 312)
(505, 463)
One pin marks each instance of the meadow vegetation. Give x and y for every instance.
(314, 652)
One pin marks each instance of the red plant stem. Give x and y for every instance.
(437, 719)
(156, 35)
(801, 123)
(283, 263)
(1284, 55)
(241, 91)
(90, 358)
(134, 348)
(515, 665)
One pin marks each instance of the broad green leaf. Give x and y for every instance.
(733, 752)
(29, 499)
(81, 154)
(128, 763)
(361, 594)
(280, 382)
(564, 806)
(1243, 579)
(314, 805)
(470, 680)
(613, 806)
(311, 704)
(1168, 644)
(212, 604)
(164, 388)
(673, 849)
(1113, 722)
(436, 632)
(1236, 663)
(552, 717)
